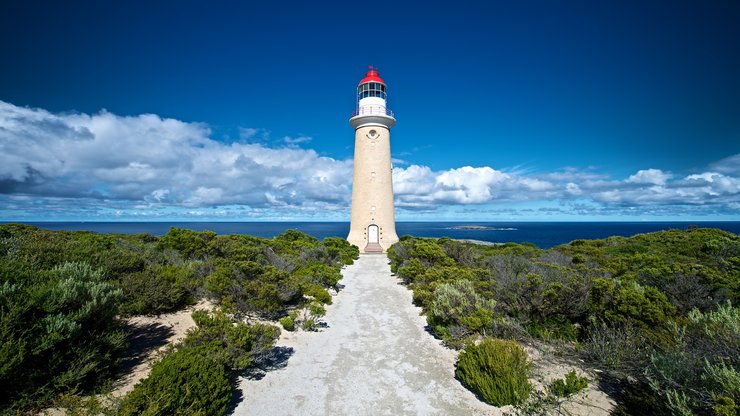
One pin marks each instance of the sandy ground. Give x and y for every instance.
(374, 357)
(591, 401)
(149, 335)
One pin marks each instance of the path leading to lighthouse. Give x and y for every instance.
(374, 358)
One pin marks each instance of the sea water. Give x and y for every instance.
(542, 234)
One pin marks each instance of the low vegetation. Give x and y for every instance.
(64, 295)
(656, 312)
(497, 370)
(569, 385)
(195, 376)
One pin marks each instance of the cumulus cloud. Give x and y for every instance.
(650, 176)
(418, 186)
(151, 159)
(570, 191)
(105, 165)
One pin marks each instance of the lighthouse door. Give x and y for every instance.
(372, 234)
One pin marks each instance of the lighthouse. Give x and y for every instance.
(372, 224)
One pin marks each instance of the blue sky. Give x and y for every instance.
(187, 110)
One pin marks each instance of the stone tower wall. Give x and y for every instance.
(372, 187)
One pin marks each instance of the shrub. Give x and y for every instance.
(622, 348)
(188, 242)
(234, 344)
(341, 249)
(288, 323)
(553, 329)
(496, 370)
(309, 324)
(292, 242)
(58, 333)
(568, 386)
(185, 382)
(156, 289)
(457, 304)
(311, 315)
(195, 377)
(701, 365)
(431, 253)
(411, 269)
(317, 292)
(319, 274)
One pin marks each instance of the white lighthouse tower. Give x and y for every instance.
(373, 223)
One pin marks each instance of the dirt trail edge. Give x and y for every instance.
(373, 358)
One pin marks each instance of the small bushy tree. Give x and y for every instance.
(702, 369)
(496, 370)
(57, 333)
(186, 382)
(569, 385)
(458, 305)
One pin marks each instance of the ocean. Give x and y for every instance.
(542, 234)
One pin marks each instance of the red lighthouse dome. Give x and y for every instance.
(372, 76)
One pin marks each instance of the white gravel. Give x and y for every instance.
(375, 357)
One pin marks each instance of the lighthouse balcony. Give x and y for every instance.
(372, 110)
(372, 115)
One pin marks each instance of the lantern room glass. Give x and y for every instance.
(371, 89)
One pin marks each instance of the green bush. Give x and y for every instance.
(496, 370)
(186, 382)
(341, 249)
(320, 274)
(293, 242)
(317, 292)
(568, 386)
(411, 269)
(288, 323)
(458, 305)
(311, 315)
(58, 334)
(553, 329)
(195, 377)
(622, 348)
(188, 242)
(703, 363)
(309, 324)
(233, 344)
(157, 289)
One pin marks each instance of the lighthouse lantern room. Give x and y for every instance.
(372, 223)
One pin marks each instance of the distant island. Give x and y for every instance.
(481, 228)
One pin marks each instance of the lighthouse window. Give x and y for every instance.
(371, 89)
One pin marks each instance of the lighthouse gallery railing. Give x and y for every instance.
(372, 110)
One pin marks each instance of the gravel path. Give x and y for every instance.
(373, 358)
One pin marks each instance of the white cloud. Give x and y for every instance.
(573, 189)
(296, 140)
(728, 166)
(419, 186)
(151, 159)
(650, 176)
(145, 166)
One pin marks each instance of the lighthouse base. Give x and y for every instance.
(373, 248)
(360, 239)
